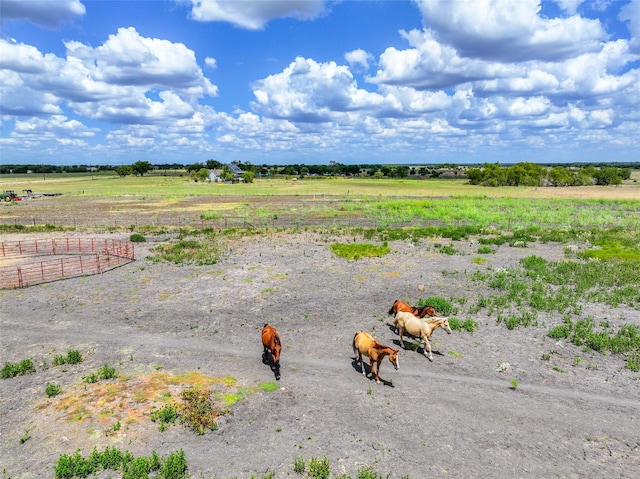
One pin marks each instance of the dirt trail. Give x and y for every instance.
(454, 417)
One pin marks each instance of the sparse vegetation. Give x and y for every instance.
(72, 466)
(103, 373)
(53, 389)
(72, 357)
(11, 370)
(198, 411)
(359, 250)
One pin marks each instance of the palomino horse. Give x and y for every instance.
(420, 327)
(271, 348)
(419, 312)
(364, 344)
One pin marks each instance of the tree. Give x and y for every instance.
(213, 164)
(141, 167)
(248, 176)
(608, 176)
(201, 175)
(194, 167)
(560, 176)
(124, 170)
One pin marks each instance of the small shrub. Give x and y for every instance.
(137, 238)
(107, 372)
(441, 305)
(633, 363)
(175, 466)
(25, 437)
(74, 357)
(165, 415)
(298, 465)
(319, 468)
(53, 389)
(198, 412)
(370, 473)
(559, 332)
(468, 324)
(103, 373)
(485, 250)
(11, 370)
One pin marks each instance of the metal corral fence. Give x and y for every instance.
(79, 257)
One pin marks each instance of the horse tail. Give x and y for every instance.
(353, 344)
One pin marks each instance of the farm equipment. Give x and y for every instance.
(10, 195)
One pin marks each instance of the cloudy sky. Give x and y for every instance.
(313, 81)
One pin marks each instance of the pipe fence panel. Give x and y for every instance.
(77, 257)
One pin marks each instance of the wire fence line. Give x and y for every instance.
(75, 257)
(173, 221)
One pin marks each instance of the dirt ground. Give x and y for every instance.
(576, 415)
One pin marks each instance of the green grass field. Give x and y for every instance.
(382, 201)
(157, 186)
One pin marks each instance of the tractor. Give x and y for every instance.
(9, 195)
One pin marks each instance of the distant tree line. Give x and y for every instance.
(518, 174)
(533, 174)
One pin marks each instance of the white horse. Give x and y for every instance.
(420, 327)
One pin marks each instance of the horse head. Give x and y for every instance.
(394, 358)
(445, 325)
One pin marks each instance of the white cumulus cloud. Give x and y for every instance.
(48, 13)
(254, 14)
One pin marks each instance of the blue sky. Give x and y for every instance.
(311, 81)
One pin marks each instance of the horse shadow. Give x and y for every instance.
(411, 345)
(370, 376)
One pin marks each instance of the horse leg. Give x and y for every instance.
(361, 364)
(378, 370)
(374, 372)
(401, 333)
(265, 355)
(427, 344)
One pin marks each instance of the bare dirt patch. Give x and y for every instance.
(457, 416)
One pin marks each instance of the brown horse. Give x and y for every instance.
(419, 312)
(271, 348)
(364, 344)
(420, 327)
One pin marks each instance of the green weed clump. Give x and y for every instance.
(468, 324)
(205, 252)
(11, 370)
(137, 238)
(198, 411)
(319, 468)
(581, 333)
(174, 466)
(442, 306)
(166, 415)
(103, 373)
(359, 250)
(53, 389)
(72, 357)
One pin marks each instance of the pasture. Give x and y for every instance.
(513, 396)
